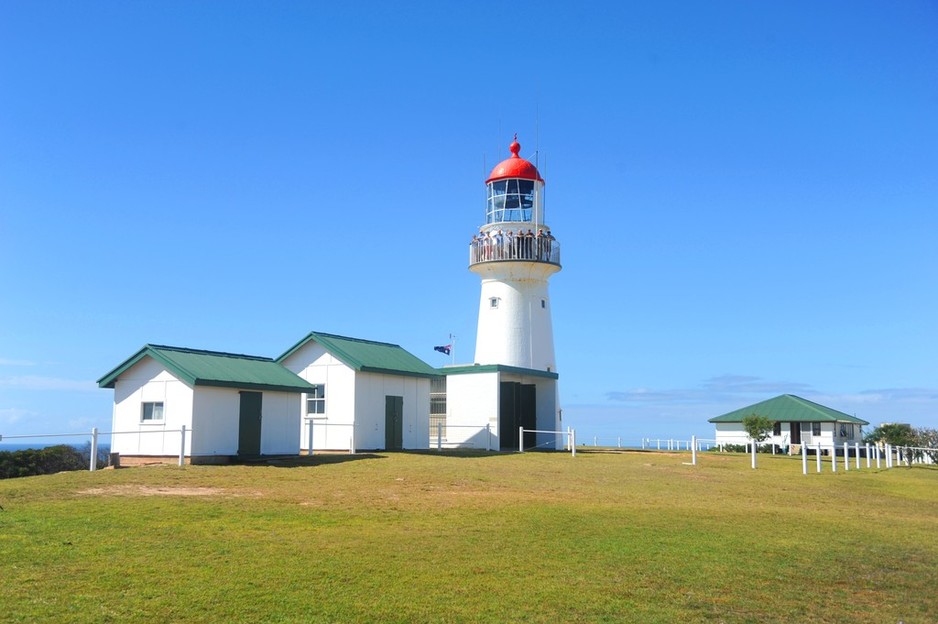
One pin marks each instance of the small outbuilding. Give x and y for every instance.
(231, 405)
(363, 394)
(796, 421)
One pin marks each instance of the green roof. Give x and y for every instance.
(367, 355)
(214, 368)
(789, 408)
(470, 369)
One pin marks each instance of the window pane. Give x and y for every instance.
(500, 187)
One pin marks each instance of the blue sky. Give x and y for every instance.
(745, 193)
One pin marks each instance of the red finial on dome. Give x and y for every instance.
(515, 166)
(515, 147)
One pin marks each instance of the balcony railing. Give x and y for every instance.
(500, 247)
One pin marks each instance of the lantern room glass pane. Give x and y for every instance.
(510, 200)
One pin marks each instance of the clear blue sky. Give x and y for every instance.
(746, 193)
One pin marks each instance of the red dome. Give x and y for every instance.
(514, 167)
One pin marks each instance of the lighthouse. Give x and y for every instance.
(507, 398)
(515, 254)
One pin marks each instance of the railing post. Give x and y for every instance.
(309, 441)
(753, 454)
(856, 449)
(833, 457)
(93, 464)
(804, 459)
(182, 446)
(846, 457)
(521, 439)
(819, 457)
(439, 436)
(876, 452)
(867, 455)
(693, 450)
(573, 437)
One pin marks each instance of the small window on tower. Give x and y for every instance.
(493, 302)
(543, 303)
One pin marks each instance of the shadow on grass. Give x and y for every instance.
(299, 461)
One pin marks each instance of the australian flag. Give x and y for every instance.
(444, 349)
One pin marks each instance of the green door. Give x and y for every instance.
(508, 415)
(249, 430)
(393, 423)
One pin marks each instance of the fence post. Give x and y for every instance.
(753, 454)
(833, 457)
(521, 439)
(619, 442)
(804, 459)
(867, 455)
(182, 446)
(856, 449)
(573, 437)
(818, 457)
(439, 436)
(846, 457)
(309, 441)
(351, 442)
(94, 450)
(693, 451)
(876, 451)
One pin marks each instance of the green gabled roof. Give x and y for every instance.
(367, 355)
(789, 408)
(214, 368)
(470, 369)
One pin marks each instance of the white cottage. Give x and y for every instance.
(796, 421)
(364, 394)
(231, 405)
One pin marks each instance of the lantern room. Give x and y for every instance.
(515, 191)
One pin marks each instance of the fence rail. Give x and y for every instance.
(95, 434)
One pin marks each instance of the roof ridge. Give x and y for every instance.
(365, 340)
(243, 356)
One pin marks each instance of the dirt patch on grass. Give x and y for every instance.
(145, 490)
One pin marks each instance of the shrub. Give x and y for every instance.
(31, 462)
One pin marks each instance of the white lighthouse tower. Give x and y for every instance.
(511, 387)
(515, 254)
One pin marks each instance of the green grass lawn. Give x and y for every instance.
(424, 537)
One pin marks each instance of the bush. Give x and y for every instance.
(31, 462)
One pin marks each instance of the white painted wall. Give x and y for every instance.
(332, 430)
(471, 404)
(519, 331)
(358, 398)
(149, 381)
(280, 419)
(370, 392)
(732, 433)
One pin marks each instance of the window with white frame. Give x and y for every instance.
(316, 399)
(152, 412)
(816, 428)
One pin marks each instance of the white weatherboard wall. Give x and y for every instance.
(332, 430)
(471, 404)
(358, 398)
(148, 381)
(218, 418)
(517, 329)
(370, 392)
